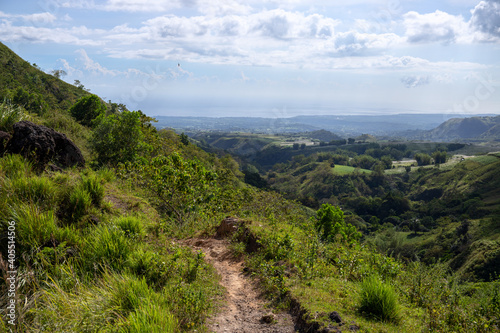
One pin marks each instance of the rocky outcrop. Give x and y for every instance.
(42, 145)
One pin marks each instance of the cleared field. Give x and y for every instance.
(345, 170)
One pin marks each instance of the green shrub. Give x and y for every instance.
(379, 300)
(87, 108)
(332, 227)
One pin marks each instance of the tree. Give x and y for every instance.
(331, 225)
(117, 138)
(87, 108)
(423, 159)
(439, 157)
(58, 73)
(184, 139)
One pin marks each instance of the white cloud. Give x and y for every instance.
(93, 66)
(141, 5)
(33, 34)
(415, 81)
(435, 27)
(486, 20)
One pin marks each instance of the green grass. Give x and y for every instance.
(485, 159)
(346, 170)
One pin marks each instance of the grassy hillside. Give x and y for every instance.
(27, 85)
(474, 128)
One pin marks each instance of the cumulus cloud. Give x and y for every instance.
(414, 81)
(36, 34)
(353, 43)
(486, 20)
(434, 27)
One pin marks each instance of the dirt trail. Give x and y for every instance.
(244, 311)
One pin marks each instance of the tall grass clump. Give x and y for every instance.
(33, 226)
(131, 226)
(78, 205)
(39, 190)
(151, 318)
(107, 246)
(379, 300)
(9, 115)
(15, 166)
(92, 184)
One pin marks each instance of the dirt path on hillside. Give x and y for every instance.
(244, 311)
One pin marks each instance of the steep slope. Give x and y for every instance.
(30, 87)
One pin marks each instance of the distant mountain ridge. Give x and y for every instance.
(344, 126)
(466, 129)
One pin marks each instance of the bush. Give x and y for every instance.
(331, 225)
(117, 138)
(379, 300)
(87, 108)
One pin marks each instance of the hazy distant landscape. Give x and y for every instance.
(434, 127)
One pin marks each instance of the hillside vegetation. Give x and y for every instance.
(101, 247)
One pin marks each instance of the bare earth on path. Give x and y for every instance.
(244, 310)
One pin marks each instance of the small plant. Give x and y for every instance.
(379, 300)
(9, 115)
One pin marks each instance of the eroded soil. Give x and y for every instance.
(244, 310)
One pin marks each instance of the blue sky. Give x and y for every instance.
(268, 58)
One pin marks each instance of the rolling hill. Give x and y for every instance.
(468, 129)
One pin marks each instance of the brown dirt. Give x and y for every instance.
(244, 310)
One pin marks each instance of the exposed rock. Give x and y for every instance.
(42, 145)
(228, 226)
(4, 138)
(268, 319)
(335, 316)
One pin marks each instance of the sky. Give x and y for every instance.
(268, 58)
